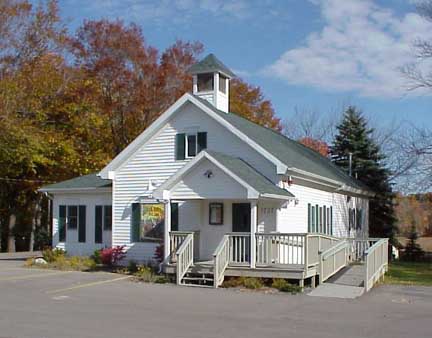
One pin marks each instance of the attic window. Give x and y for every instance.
(222, 84)
(205, 82)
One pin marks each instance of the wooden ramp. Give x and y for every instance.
(348, 283)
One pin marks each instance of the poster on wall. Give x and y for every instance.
(152, 221)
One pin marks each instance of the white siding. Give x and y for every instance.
(72, 246)
(196, 185)
(156, 161)
(294, 218)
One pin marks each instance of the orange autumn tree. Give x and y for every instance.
(248, 101)
(319, 146)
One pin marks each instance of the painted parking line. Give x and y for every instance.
(24, 277)
(86, 285)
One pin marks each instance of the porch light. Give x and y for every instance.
(208, 174)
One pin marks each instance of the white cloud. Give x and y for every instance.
(174, 10)
(360, 48)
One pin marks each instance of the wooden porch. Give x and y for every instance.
(312, 257)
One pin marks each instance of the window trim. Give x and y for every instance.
(221, 206)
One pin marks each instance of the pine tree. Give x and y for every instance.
(413, 251)
(355, 137)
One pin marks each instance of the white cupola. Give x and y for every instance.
(211, 81)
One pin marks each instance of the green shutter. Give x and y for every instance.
(202, 141)
(82, 223)
(309, 218)
(136, 220)
(324, 210)
(180, 147)
(317, 217)
(331, 221)
(62, 223)
(98, 224)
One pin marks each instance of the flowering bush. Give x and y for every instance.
(111, 256)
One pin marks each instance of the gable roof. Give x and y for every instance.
(86, 182)
(210, 64)
(238, 169)
(248, 174)
(292, 153)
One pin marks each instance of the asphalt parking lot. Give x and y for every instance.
(41, 303)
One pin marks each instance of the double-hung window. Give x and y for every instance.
(188, 145)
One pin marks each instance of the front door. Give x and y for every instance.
(241, 217)
(241, 222)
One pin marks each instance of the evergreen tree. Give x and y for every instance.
(413, 251)
(355, 137)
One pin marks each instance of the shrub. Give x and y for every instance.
(160, 280)
(145, 274)
(284, 286)
(97, 256)
(132, 267)
(232, 282)
(247, 282)
(112, 256)
(252, 283)
(51, 255)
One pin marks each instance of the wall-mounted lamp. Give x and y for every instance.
(208, 174)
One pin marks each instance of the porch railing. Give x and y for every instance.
(376, 260)
(184, 254)
(221, 258)
(280, 249)
(239, 247)
(358, 247)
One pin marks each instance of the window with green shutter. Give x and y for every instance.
(62, 223)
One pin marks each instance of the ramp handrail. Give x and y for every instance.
(333, 259)
(376, 260)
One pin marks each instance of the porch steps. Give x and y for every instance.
(198, 279)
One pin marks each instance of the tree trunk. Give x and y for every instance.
(11, 236)
(36, 220)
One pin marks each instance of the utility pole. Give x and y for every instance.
(350, 163)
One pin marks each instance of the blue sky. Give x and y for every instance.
(310, 54)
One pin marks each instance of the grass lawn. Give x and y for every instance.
(408, 273)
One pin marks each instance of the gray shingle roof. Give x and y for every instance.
(210, 64)
(292, 153)
(91, 181)
(248, 174)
